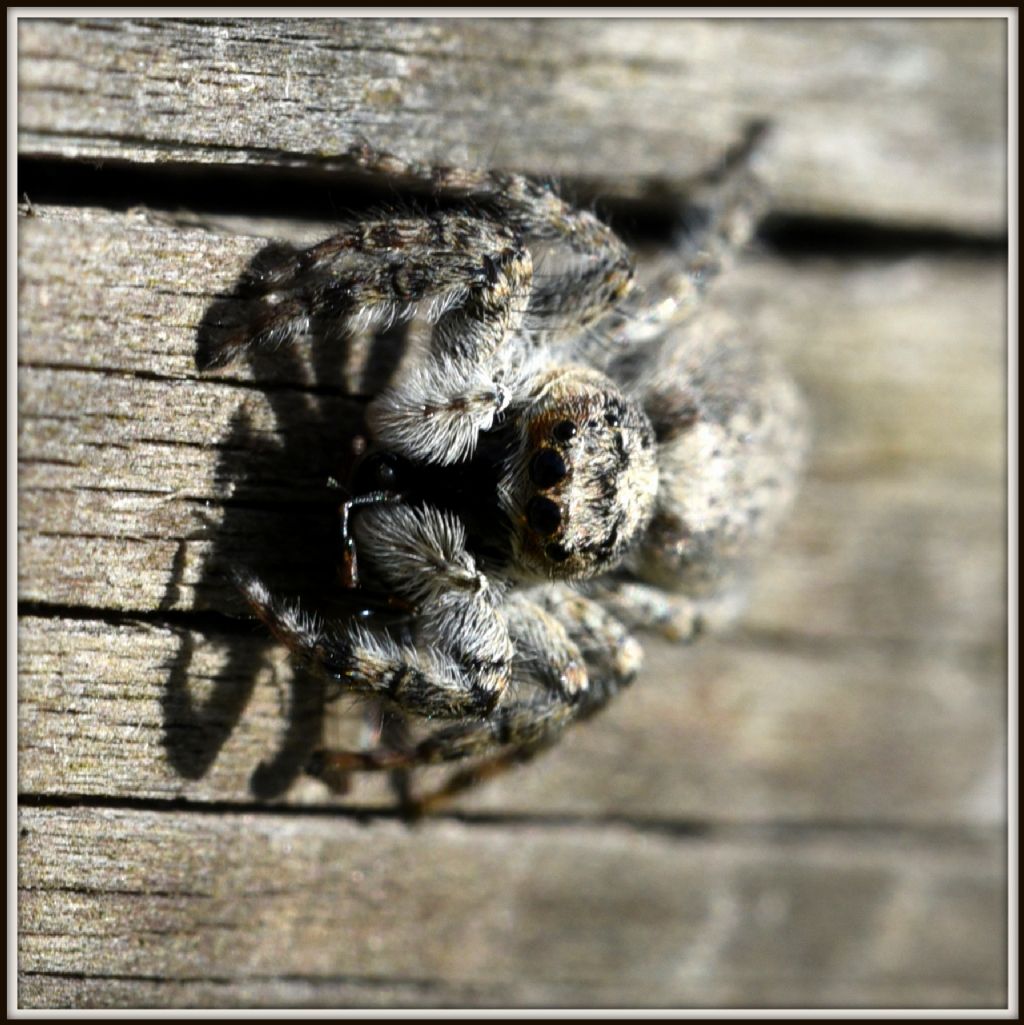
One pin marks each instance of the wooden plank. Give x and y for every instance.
(733, 730)
(808, 812)
(143, 493)
(133, 462)
(879, 618)
(904, 359)
(73, 991)
(240, 910)
(895, 120)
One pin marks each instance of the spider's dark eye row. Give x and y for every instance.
(543, 515)
(563, 431)
(556, 552)
(547, 468)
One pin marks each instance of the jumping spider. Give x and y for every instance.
(569, 459)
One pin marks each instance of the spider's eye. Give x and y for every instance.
(611, 418)
(564, 430)
(556, 552)
(386, 474)
(547, 468)
(543, 515)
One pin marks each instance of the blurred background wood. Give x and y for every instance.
(807, 812)
(887, 119)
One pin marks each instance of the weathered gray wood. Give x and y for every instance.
(735, 730)
(808, 812)
(901, 120)
(879, 617)
(127, 495)
(244, 909)
(73, 991)
(132, 464)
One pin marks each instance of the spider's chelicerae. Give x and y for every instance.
(568, 460)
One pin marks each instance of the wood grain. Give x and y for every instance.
(896, 120)
(142, 481)
(810, 811)
(125, 447)
(744, 729)
(302, 909)
(873, 701)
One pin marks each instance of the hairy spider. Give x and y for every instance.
(568, 459)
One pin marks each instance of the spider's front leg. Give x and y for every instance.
(576, 656)
(461, 658)
(530, 727)
(485, 349)
(721, 217)
(376, 272)
(590, 269)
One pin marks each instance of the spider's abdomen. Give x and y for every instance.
(732, 438)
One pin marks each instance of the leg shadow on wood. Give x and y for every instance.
(279, 521)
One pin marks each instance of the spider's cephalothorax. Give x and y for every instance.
(560, 488)
(531, 495)
(583, 482)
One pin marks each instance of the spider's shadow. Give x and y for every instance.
(286, 441)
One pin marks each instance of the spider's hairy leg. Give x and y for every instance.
(613, 659)
(461, 660)
(373, 273)
(722, 216)
(612, 655)
(677, 617)
(587, 269)
(436, 410)
(533, 207)
(516, 731)
(575, 292)
(423, 681)
(544, 650)
(519, 723)
(461, 638)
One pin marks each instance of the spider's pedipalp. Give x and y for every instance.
(437, 409)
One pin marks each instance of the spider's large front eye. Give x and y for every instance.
(547, 468)
(564, 431)
(543, 515)
(556, 552)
